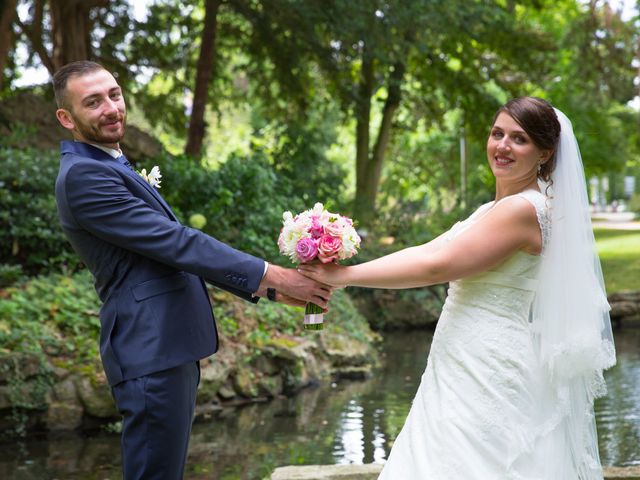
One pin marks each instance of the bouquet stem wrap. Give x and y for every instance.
(313, 317)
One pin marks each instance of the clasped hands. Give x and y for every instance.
(298, 287)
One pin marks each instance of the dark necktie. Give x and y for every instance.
(123, 160)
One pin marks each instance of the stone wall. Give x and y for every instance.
(625, 306)
(54, 398)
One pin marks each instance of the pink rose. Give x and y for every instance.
(316, 229)
(328, 248)
(335, 229)
(306, 249)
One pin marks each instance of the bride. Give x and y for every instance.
(524, 336)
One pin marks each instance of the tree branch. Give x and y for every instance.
(34, 35)
(6, 34)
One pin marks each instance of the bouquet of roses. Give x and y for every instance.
(317, 234)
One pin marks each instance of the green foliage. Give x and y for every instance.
(54, 315)
(299, 154)
(593, 79)
(420, 195)
(30, 235)
(9, 274)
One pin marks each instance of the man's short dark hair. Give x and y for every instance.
(73, 69)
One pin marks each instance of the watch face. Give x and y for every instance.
(271, 294)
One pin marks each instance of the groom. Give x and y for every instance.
(150, 273)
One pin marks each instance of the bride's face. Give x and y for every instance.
(511, 153)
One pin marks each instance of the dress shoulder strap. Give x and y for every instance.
(541, 204)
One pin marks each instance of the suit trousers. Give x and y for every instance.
(157, 411)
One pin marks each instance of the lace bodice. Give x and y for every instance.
(508, 287)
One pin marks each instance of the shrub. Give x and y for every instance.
(54, 316)
(9, 274)
(30, 234)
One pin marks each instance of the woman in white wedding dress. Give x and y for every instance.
(517, 357)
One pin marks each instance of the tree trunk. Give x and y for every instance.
(7, 15)
(204, 75)
(71, 28)
(363, 118)
(368, 177)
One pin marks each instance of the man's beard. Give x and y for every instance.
(94, 134)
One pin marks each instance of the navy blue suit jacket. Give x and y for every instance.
(149, 269)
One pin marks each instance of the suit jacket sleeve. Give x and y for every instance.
(103, 205)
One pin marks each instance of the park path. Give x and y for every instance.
(615, 221)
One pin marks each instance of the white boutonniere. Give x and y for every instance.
(153, 177)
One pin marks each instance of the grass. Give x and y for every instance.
(620, 257)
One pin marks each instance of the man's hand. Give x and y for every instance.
(296, 289)
(286, 300)
(329, 273)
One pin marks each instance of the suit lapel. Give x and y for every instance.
(153, 191)
(85, 150)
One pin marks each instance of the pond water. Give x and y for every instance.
(348, 422)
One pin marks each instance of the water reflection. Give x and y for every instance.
(618, 413)
(350, 439)
(351, 422)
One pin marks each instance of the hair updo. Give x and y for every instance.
(539, 120)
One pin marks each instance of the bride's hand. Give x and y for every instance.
(328, 273)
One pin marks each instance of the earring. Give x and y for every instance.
(539, 168)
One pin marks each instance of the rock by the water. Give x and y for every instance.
(625, 304)
(96, 397)
(214, 372)
(328, 472)
(372, 470)
(22, 365)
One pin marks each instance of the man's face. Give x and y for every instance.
(96, 111)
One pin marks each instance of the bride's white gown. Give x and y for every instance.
(475, 415)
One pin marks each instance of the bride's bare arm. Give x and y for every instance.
(508, 227)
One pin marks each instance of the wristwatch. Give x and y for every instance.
(271, 294)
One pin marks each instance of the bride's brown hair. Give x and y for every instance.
(538, 118)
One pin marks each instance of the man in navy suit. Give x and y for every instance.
(149, 270)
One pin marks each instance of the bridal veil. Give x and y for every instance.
(570, 321)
